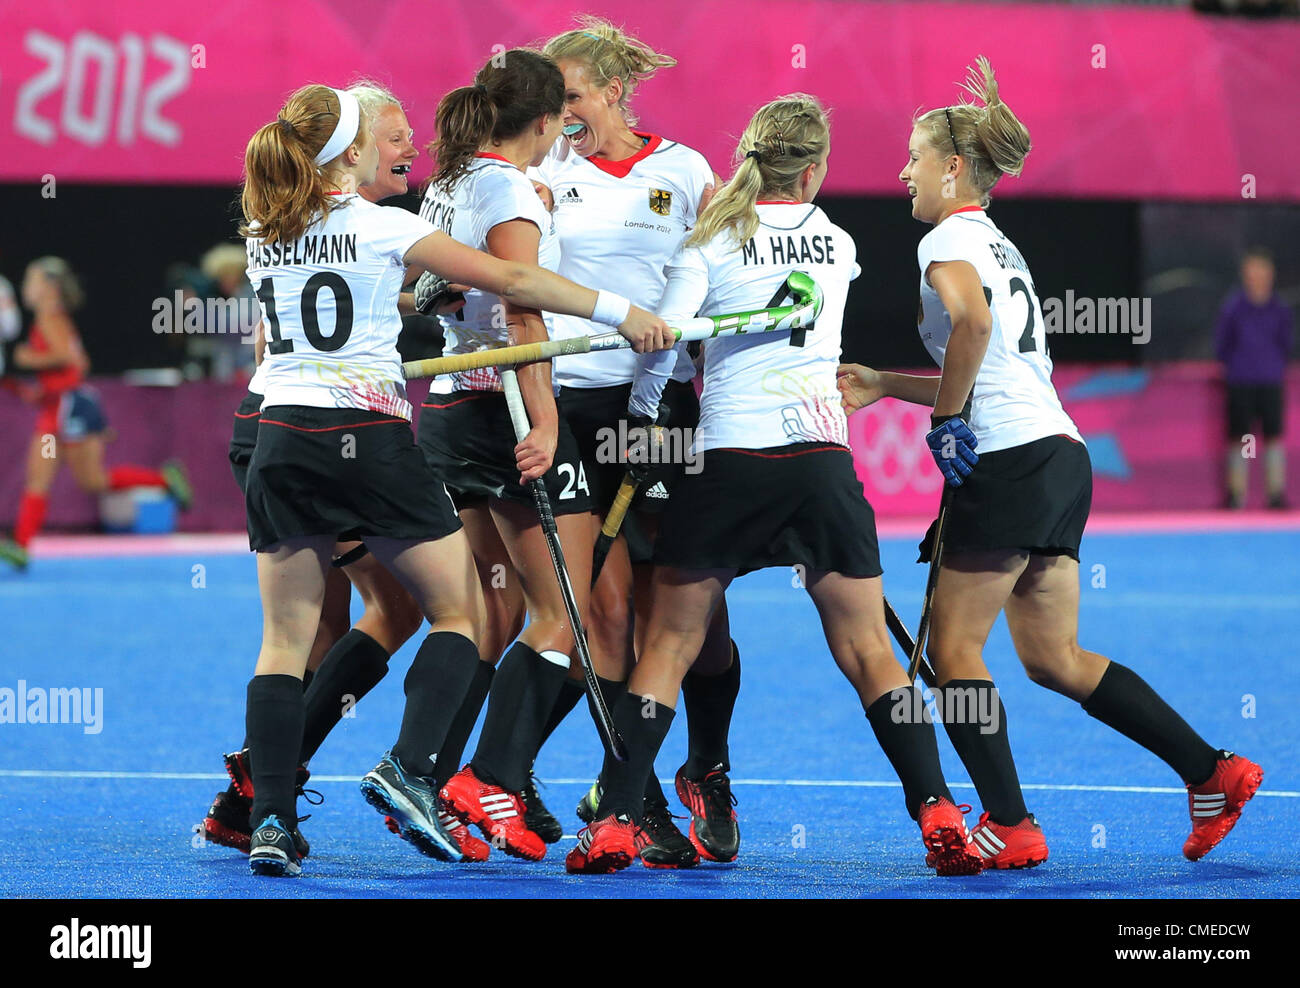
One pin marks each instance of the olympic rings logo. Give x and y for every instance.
(888, 442)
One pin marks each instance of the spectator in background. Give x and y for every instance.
(228, 326)
(1254, 341)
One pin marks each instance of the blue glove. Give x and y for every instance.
(952, 445)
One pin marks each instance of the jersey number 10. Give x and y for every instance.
(310, 320)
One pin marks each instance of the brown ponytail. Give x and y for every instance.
(990, 137)
(284, 190)
(508, 94)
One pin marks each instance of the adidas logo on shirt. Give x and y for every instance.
(658, 491)
(569, 197)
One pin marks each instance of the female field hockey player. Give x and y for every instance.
(777, 486)
(1021, 488)
(335, 456)
(71, 424)
(351, 661)
(488, 134)
(624, 201)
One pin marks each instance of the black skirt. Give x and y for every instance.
(1034, 498)
(594, 415)
(469, 441)
(748, 509)
(244, 437)
(344, 473)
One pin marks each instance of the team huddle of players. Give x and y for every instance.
(551, 216)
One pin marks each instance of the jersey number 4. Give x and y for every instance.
(310, 320)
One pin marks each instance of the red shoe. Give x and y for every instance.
(1216, 803)
(1021, 846)
(471, 848)
(495, 811)
(943, 829)
(604, 846)
(241, 777)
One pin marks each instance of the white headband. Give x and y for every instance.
(346, 131)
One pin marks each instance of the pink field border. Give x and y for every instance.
(227, 543)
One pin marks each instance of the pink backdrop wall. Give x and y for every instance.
(1155, 438)
(147, 91)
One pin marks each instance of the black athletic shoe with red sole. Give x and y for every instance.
(714, 831)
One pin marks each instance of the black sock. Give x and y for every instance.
(351, 669)
(570, 693)
(307, 676)
(644, 724)
(654, 792)
(1124, 701)
(986, 754)
(709, 702)
(453, 749)
(522, 697)
(611, 690)
(909, 744)
(273, 723)
(436, 686)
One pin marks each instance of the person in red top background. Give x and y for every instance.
(71, 424)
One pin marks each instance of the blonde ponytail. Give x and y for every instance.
(782, 139)
(608, 53)
(990, 137)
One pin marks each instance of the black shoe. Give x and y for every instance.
(227, 820)
(271, 850)
(714, 829)
(537, 817)
(659, 842)
(1278, 502)
(589, 803)
(241, 786)
(412, 801)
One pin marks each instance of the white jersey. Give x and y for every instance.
(619, 222)
(494, 191)
(768, 389)
(257, 383)
(329, 308)
(1013, 401)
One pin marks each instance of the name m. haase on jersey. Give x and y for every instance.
(816, 249)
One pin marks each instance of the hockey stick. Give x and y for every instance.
(614, 521)
(907, 644)
(799, 314)
(932, 580)
(519, 418)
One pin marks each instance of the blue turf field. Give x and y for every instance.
(1208, 619)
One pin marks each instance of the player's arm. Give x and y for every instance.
(533, 286)
(60, 348)
(862, 386)
(962, 294)
(259, 343)
(517, 240)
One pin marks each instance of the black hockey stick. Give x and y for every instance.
(519, 418)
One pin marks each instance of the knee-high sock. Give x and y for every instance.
(644, 724)
(351, 669)
(453, 749)
(570, 693)
(985, 753)
(1124, 701)
(273, 721)
(31, 516)
(909, 744)
(436, 686)
(523, 694)
(710, 701)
